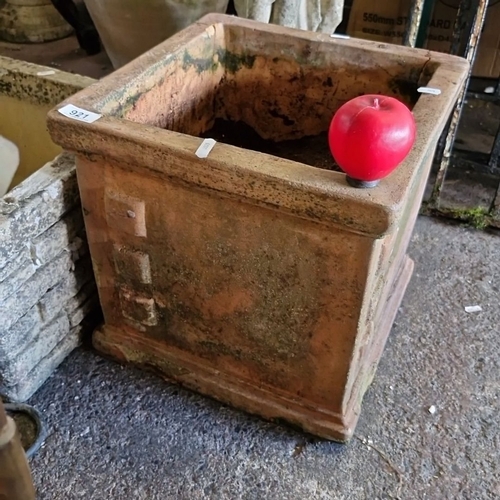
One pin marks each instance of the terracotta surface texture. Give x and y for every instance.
(265, 282)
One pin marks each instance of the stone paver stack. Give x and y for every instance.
(47, 289)
(47, 286)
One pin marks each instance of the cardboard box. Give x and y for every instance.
(385, 21)
(380, 20)
(487, 63)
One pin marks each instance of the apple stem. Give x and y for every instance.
(376, 104)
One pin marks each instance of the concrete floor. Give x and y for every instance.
(118, 433)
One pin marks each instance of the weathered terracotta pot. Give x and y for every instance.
(266, 283)
(31, 21)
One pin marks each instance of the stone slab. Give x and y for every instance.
(11, 371)
(13, 338)
(42, 249)
(24, 388)
(36, 205)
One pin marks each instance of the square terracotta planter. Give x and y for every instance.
(264, 282)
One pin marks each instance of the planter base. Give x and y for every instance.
(129, 347)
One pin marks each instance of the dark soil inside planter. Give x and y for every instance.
(312, 150)
(26, 427)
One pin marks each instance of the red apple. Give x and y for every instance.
(370, 136)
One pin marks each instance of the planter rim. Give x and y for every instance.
(322, 194)
(22, 79)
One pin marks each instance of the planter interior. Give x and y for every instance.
(27, 92)
(257, 275)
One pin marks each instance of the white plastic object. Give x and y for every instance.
(9, 163)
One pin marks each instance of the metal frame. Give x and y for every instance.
(466, 34)
(414, 22)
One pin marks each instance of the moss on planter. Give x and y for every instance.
(200, 63)
(234, 62)
(231, 61)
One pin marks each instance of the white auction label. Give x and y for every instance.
(429, 90)
(340, 36)
(79, 114)
(205, 147)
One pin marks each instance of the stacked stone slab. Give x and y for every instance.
(47, 290)
(47, 286)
